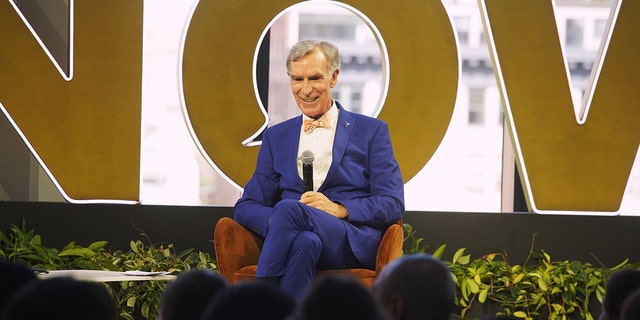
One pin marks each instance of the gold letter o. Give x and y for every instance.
(217, 78)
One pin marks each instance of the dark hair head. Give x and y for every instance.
(61, 298)
(339, 298)
(12, 277)
(188, 296)
(250, 300)
(619, 286)
(630, 309)
(423, 282)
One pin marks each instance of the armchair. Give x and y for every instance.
(237, 251)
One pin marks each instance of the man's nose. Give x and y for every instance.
(306, 87)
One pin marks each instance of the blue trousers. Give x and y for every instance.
(300, 240)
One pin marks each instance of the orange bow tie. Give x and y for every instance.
(310, 125)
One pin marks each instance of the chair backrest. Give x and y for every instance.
(235, 247)
(390, 247)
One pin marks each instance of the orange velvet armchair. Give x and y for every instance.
(237, 252)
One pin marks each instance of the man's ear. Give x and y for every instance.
(334, 78)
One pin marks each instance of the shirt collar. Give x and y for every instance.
(332, 114)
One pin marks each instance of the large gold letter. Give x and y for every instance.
(86, 131)
(568, 165)
(218, 83)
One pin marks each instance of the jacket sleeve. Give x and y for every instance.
(253, 210)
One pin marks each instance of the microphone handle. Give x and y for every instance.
(307, 177)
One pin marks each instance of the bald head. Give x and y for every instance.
(416, 286)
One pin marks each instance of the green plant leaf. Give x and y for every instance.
(440, 251)
(621, 264)
(518, 278)
(98, 245)
(145, 309)
(472, 286)
(80, 252)
(542, 285)
(126, 316)
(482, 296)
(457, 255)
(131, 301)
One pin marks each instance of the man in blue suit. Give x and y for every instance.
(358, 188)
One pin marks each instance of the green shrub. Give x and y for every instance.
(540, 288)
(134, 298)
(537, 289)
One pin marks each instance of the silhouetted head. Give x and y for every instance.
(619, 286)
(12, 277)
(189, 294)
(250, 300)
(416, 286)
(338, 298)
(61, 299)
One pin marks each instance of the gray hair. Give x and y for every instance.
(304, 47)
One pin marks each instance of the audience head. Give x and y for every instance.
(250, 300)
(630, 309)
(12, 277)
(338, 298)
(189, 294)
(61, 298)
(416, 286)
(620, 285)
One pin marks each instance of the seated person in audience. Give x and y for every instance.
(61, 299)
(12, 277)
(336, 221)
(416, 286)
(620, 285)
(250, 300)
(189, 294)
(338, 298)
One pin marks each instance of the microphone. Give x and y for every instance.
(307, 170)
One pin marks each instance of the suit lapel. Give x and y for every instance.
(343, 130)
(292, 149)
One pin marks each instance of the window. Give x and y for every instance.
(463, 25)
(476, 106)
(575, 31)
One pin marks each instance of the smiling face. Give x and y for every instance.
(311, 83)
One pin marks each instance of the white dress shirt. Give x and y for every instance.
(320, 142)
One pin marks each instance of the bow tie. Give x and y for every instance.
(310, 125)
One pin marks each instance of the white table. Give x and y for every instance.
(106, 276)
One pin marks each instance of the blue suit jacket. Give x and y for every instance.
(364, 177)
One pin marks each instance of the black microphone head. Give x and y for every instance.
(307, 157)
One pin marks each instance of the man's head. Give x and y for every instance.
(189, 295)
(619, 286)
(415, 287)
(313, 68)
(338, 297)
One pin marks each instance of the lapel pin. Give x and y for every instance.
(347, 124)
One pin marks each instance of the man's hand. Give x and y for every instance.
(320, 201)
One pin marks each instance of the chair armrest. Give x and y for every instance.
(390, 247)
(235, 247)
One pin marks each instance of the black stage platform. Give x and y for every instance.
(564, 237)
